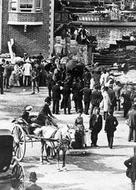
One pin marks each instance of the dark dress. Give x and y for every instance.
(79, 135)
(110, 127)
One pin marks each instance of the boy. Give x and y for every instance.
(32, 179)
(110, 127)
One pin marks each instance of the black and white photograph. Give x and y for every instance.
(67, 94)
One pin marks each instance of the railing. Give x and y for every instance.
(19, 18)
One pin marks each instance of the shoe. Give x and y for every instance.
(32, 93)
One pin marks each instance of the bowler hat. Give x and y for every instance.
(33, 177)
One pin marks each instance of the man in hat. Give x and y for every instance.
(132, 123)
(33, 179)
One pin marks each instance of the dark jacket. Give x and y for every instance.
(96, 98)
(132, 119)
(56, 92)
(111, 124)
(87, 94)
(112, 96)
(131, 168)
(95, 123)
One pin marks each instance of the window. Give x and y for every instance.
(38, 5)
(13, 5)
(26, 5)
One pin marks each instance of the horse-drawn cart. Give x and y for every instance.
(22, 137)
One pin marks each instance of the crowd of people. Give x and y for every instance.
(69, 80)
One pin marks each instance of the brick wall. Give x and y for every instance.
(35, 40)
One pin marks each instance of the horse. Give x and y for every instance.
(58, 139)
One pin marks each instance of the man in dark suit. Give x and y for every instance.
(95, 125)
(56, 96)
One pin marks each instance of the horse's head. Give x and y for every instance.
(67, 132)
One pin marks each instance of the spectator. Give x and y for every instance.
(126, 103)
(95, 125)
(112, 97)
(79, 135)
(117, 89)
(86, 98)
(104, 78)
(6, 74)
(106, 102)
(35, 79)
(50, 83)
(110, 127)
(56, 96)
(33, 179)
(75, 93)
(27, 68)
(66, 98)
(132, 123)
(96, 98)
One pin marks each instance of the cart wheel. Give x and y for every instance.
(19, 144)
(18, 172)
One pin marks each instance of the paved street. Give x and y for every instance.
(96, 169)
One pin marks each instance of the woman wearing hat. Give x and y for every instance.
(45, 116)
(33, 179)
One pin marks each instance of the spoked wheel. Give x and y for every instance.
(19, 144)
(18, 173)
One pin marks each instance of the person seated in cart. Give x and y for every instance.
(26, 114)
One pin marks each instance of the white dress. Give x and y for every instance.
(106, 101)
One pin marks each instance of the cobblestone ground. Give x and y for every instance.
(88, 169)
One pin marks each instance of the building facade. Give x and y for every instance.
(29, 23)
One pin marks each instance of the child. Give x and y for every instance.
(110, 127)
(32, 179)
